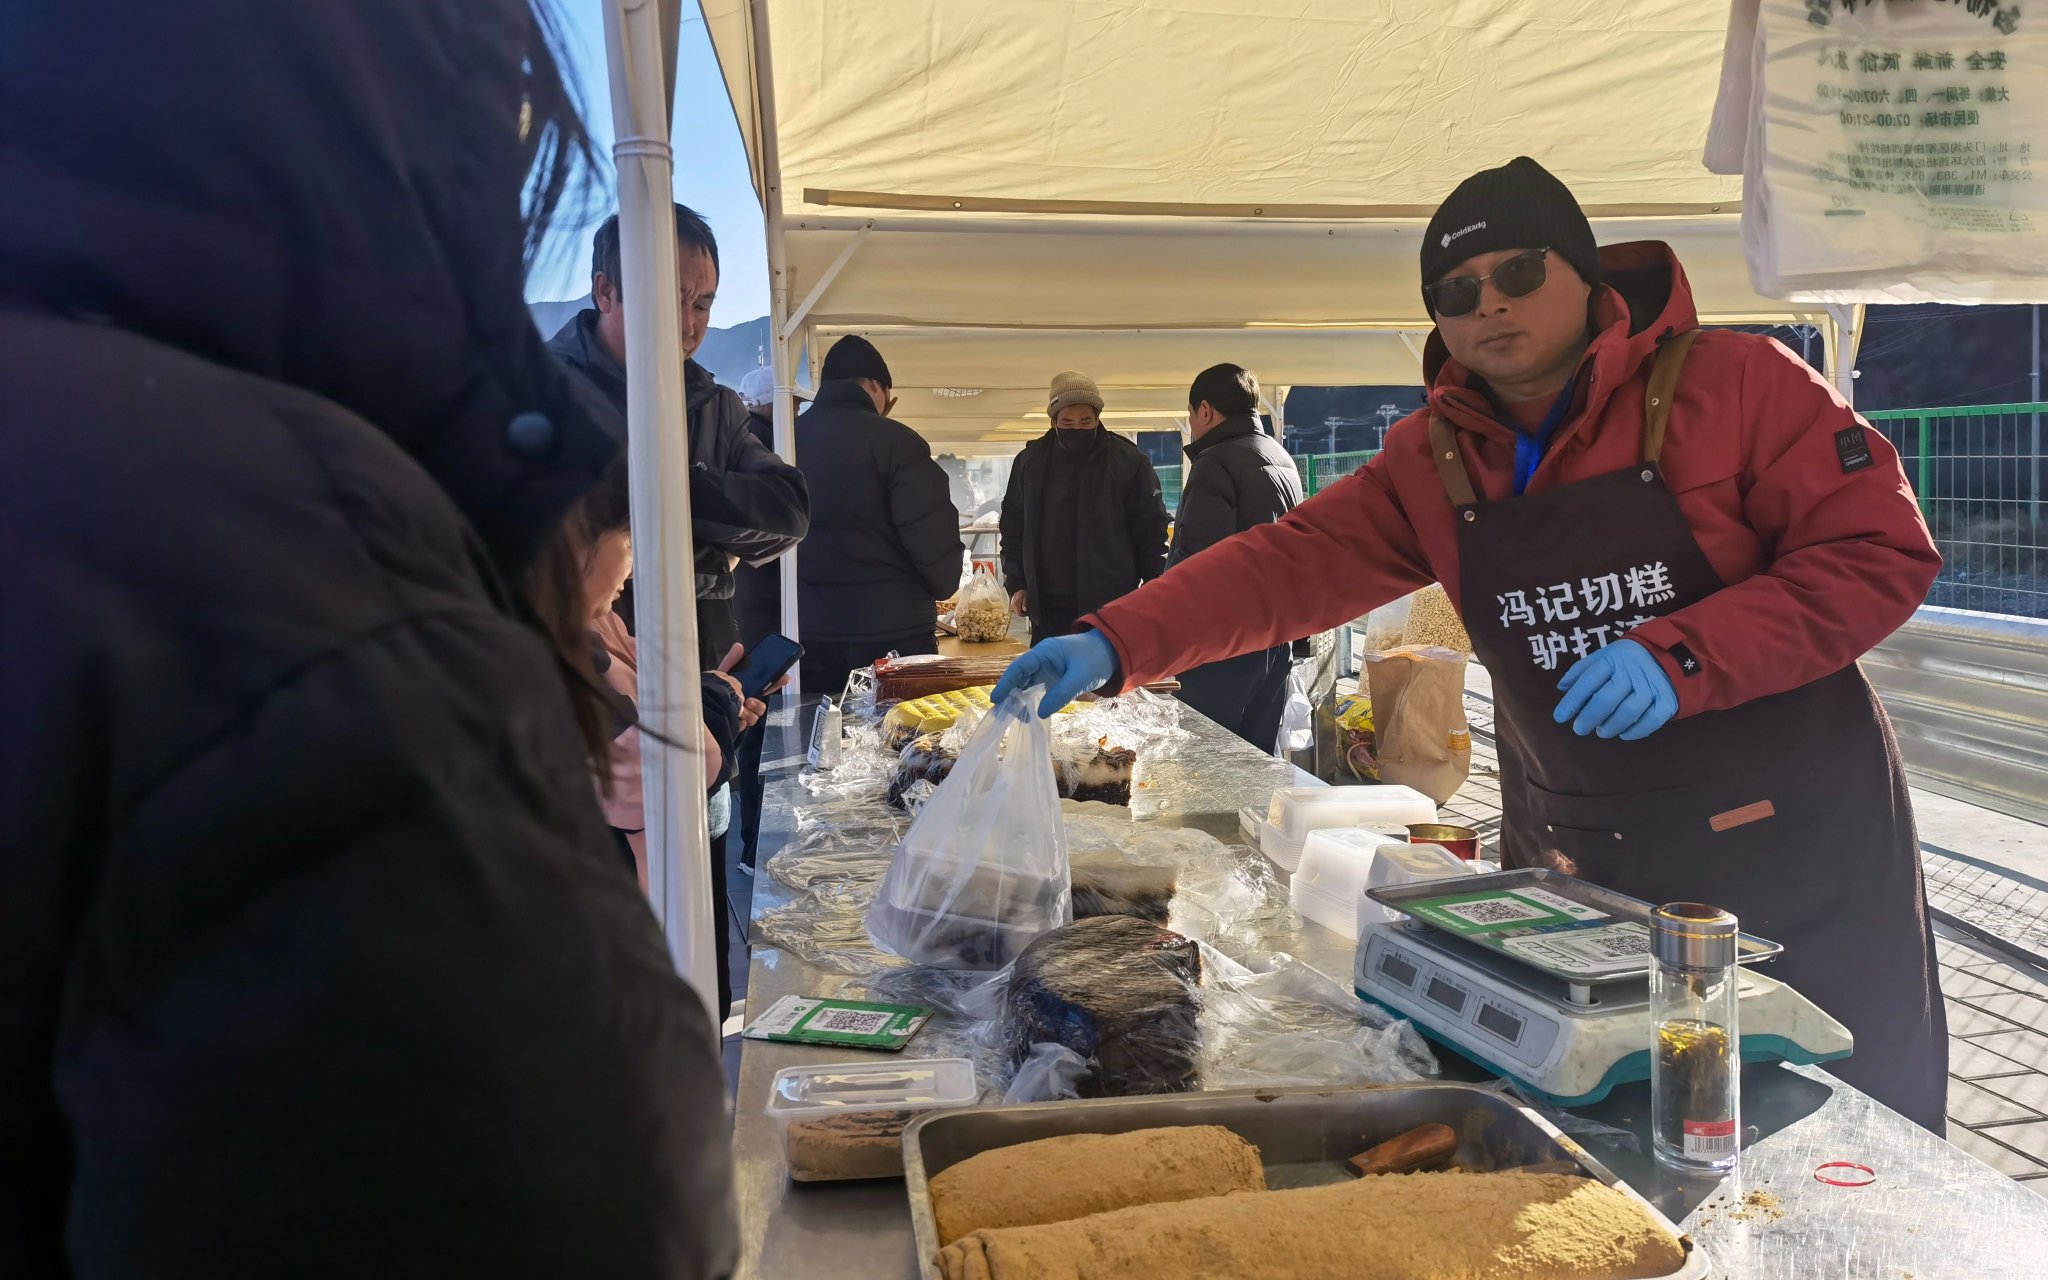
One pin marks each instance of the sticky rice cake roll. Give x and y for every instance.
(1417, 1226)
(1054, 1179)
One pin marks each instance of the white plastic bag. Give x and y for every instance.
(1887, 152)
(983, 869)
(1298, 716)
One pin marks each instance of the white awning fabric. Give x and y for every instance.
(1140, 188)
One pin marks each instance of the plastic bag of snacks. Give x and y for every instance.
(1418, 707)
(1356, 738)
(1432, 621)
(1383, 628)
(983, 869)
(983, 614)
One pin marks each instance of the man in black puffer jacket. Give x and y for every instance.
(1238, 478)
(1083, 521)
(886, 537)
(747, 506)
(319, 961)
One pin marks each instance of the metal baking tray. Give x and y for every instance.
(1750, 949)
(1304, 1136)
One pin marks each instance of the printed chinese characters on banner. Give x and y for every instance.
(1601, 610)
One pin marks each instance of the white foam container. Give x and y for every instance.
(1330, 883)
(1296, 811)
(1396, 862)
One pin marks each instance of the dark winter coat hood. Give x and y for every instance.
(346, 221)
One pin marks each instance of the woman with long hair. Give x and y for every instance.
(320, 959)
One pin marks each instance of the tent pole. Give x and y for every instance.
(1842, 338)
(782, 356)
(664, 579)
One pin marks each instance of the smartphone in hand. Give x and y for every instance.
(766, 663)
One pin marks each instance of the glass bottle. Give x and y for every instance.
(1695, 1049)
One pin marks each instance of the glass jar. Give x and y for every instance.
(1695, 1045)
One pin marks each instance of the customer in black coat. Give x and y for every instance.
(1083, 521)
(1238, 478)
(757, 600)
(885, 537)
(747, 506)
(319, 961)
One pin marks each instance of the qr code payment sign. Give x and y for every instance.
(1611, 949)
(1491, 911)
(1487, 912)
(850, 1021)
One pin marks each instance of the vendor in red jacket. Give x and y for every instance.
(1670, 547)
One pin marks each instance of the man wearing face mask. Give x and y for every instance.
(1670, 547)
(885, 536)
(1238, 478)
(1083, 521)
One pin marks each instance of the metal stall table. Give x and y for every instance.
(1929, 1210)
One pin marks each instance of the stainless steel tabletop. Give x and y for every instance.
(1932, 1211)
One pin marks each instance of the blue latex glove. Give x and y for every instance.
(1068, 666)
(1619, 692)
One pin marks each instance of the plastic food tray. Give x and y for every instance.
(1303, 1135)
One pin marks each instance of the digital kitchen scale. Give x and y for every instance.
(1545, 978)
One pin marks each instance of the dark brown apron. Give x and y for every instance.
(1791, 810)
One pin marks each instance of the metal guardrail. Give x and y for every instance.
(1968, 695)
(1978, 472)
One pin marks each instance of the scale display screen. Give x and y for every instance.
(1397, 970)
(1448, 996)
(1500, 1022)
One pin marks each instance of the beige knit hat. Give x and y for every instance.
(1071, 388)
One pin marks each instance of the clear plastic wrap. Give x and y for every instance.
(1219, 897)
(827, 926)
(1286, 1025)
(1577, 1126)
(983, 869)
(1123, 994)
(1048, 1071)
(1291, 1025)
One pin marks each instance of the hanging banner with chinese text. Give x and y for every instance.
(1891, 150)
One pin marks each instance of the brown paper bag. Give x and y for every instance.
(1418, 708)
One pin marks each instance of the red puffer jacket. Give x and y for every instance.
(1821, 565)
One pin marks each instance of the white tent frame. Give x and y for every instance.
(636, 32)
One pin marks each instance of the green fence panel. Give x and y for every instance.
(1977, 471)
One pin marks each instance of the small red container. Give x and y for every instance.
(1463, 841)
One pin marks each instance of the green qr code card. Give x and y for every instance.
(851, 1023)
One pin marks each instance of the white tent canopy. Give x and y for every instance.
(1162, 185)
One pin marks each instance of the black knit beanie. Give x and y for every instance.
(1520, 205)
(855, 357)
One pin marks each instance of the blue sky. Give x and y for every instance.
(711, 167)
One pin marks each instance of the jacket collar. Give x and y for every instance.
(579, 344)
(843, 391)
(1644, 300)
(1231, 428)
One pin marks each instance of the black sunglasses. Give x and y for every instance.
(1518, 277)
